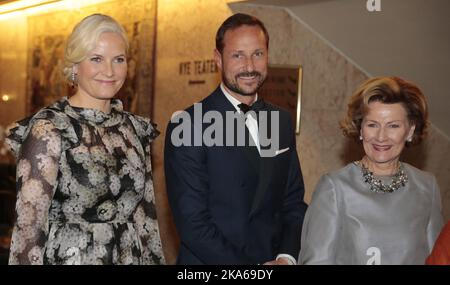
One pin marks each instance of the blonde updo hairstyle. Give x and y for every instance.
(387, 90)
(84, 38)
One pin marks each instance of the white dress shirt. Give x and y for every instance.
(250, 121)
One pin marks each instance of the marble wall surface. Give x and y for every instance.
(13, 61)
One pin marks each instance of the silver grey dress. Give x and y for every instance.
(346, 223)
(85, 189)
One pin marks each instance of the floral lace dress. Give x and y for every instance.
(85, 189)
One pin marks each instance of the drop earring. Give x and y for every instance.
(73, 78)
(360, 138)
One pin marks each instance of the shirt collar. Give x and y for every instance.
(233, 100)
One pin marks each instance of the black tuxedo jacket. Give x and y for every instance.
(230, 205)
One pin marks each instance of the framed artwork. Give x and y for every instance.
(47, 35)
(283, 87)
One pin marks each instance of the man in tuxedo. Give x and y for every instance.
(234, 202)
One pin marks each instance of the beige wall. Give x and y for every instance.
(434, 156)
(13, 61)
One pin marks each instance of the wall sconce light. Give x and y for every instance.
(6, 98)
(13, 6)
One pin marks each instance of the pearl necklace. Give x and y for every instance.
(399, 180)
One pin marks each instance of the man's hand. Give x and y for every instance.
(279, 261)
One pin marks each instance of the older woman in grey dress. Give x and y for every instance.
(377, 210)
(84, 179)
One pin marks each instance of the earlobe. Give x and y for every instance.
(218, 58)
(411, 133)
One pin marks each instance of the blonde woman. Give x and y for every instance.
(85, 189)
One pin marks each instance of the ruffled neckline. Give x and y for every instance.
(93, 116)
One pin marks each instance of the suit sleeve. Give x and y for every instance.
(187, 188)
(320, 227)
(294, 208)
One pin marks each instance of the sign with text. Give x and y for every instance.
(196, 69)
(283, 87)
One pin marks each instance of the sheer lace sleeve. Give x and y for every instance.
(147, 222)
(37, 170)
(145, 216)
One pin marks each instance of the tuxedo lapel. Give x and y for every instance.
(266, 172)
(250, 152)
(266, 168)
(263, 166)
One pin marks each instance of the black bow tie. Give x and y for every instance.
(257, 106)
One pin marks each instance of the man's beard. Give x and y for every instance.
(233, 86)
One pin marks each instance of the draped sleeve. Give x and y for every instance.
(37, 144)
(37, 170)
(145, 216)
(321, 225)
(435, 222)
(61, 122)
